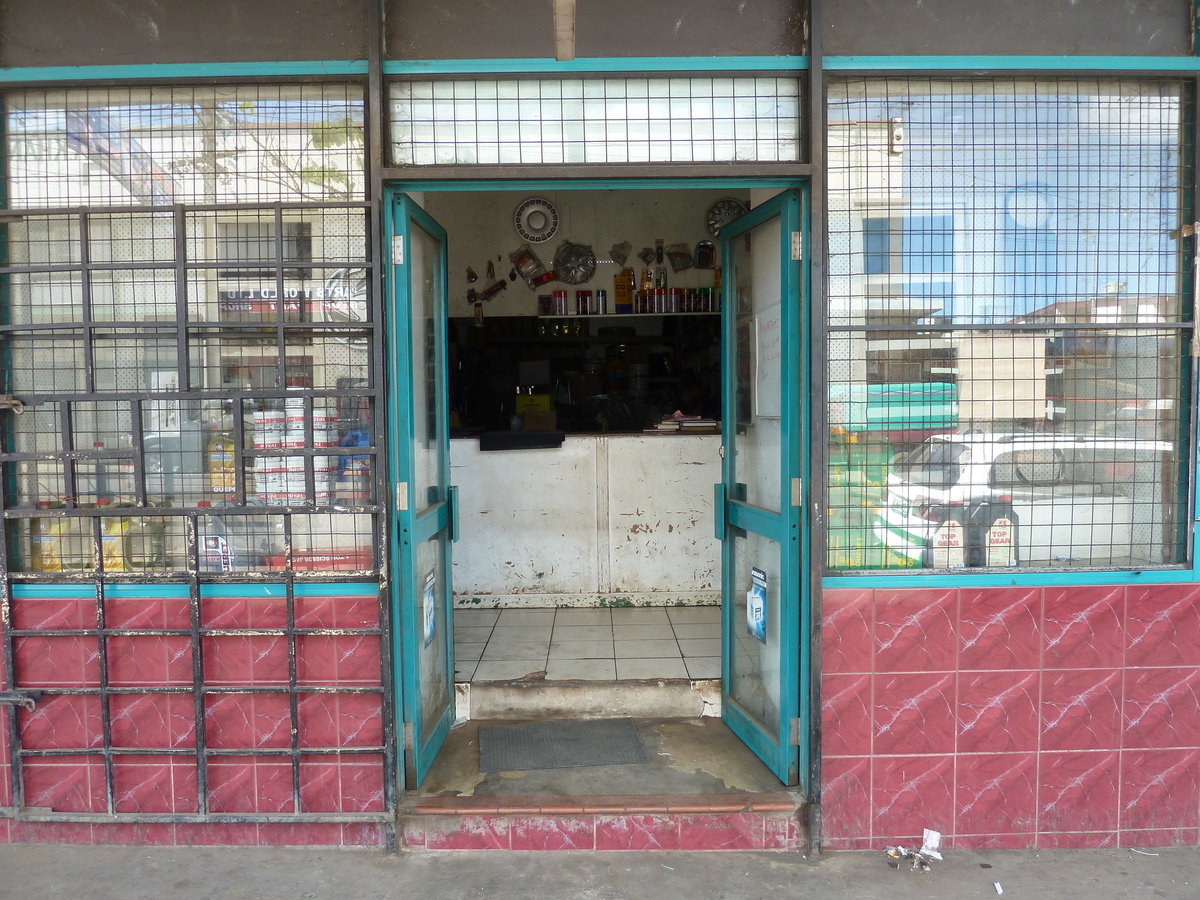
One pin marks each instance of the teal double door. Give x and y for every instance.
(758, 509)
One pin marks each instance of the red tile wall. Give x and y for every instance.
(341, 773)
(1011, 717)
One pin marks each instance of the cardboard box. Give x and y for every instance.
(533, 403)
(541, 420)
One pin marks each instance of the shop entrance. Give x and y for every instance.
(572, 370)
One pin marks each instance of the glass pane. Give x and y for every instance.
(185, 144)
(618, 119)
(754, 650)
(431, 592)
(428, 477)
(758, 365)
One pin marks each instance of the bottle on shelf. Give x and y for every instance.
(112, 539)
(219, 458)
(48, 549)
(217, 553)
(146, 542)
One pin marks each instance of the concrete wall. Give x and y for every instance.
(605, 519)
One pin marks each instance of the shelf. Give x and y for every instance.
(654, 315)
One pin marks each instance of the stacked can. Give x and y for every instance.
(325, 434)
(282, 480)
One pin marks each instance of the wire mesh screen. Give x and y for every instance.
(595, 120)
(1008, 337)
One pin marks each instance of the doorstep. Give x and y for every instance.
(729, 821)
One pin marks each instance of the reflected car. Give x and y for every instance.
(1069, 497)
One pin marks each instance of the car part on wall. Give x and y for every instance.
(536, 220)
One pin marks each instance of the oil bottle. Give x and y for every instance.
(623, 290)
(219, 458)
(112, 539)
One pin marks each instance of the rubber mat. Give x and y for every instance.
(559, 744)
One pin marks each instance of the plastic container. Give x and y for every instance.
(112, 540)
(59, 544)
(146, 543)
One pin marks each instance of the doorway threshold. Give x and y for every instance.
(701, 789)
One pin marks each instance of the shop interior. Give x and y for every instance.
(608, 357)
(585, 348)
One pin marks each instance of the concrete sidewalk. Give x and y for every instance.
(130, 873)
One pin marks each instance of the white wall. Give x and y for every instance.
(604, 518)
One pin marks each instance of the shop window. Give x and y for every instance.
(202, 396)
(1006, 382)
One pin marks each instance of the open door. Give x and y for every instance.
(758, 509)
(422, 500)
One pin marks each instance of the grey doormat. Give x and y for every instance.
(559, 744)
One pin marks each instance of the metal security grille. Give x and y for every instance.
(190, 346)
(595, 120)
(1008, 327)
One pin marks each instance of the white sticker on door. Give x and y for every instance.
(756, 605)
(429, 600)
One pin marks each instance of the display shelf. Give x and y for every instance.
(652, 315)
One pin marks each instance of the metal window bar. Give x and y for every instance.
(1007, 328)
(111, 194)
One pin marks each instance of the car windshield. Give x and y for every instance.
(935, 464)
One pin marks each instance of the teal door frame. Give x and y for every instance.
(797, 396)
(421, 514)
(783, 744)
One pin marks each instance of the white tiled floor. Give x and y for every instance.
(588, 644)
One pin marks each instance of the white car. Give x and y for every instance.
(978, 499)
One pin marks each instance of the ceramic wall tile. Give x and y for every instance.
(1083, 627)
(1000, 628)
(846, 631)
(998, 711)
(1081, 709)
(1078, 791)
(846, 715)
(1163, 625)
(914, 713)
(915, 630)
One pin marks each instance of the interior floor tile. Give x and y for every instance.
(641, 616)
(581, 670)
(694, 615)
(507, 669)
(646, 649)
(581, 650)
(583, 617)
(703, 666)
(582, 632)
(651, 668)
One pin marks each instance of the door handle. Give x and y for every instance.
(452, 519)
(719, 511)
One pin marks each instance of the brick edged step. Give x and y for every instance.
(735, 821)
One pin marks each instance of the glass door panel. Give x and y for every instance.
(419, 458)
(759, 499)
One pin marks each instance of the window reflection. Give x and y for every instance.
(1005, 354)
